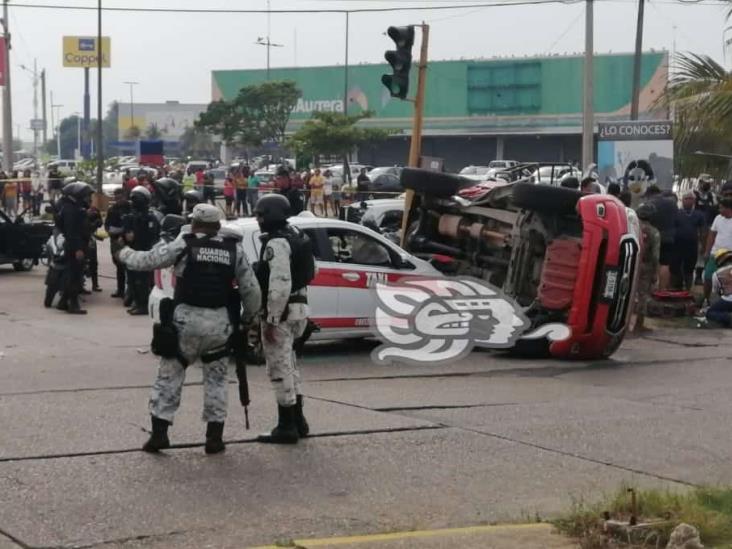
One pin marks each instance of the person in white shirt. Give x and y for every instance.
(720, 237)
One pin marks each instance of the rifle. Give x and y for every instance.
(238, 347)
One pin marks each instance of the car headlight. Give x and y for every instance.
(633, 223)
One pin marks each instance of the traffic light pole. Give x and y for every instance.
(415, 148)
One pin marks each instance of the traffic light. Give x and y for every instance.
(400, 61)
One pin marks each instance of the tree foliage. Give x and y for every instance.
(153, 132)
(334, 134)
(700, 94)
(197, 143)
(257, 114)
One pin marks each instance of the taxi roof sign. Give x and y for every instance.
(82, 51)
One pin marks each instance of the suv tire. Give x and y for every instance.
(439, 185)
(545, 198)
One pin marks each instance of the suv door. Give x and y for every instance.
(23, 240)
(360, 260)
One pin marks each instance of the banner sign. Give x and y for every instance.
(634, 131)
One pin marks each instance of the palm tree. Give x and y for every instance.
(701, 94)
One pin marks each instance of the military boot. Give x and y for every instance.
(302, 424)
(286, 430)
(214, 441)
(159, 437)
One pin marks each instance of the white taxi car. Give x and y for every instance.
(350, 259)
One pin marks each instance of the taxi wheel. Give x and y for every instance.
(23, 265)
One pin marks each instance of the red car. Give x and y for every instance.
(563, 256)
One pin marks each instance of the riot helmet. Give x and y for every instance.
(78, 192)
(272, 211)
(192, 198)
(140, 198)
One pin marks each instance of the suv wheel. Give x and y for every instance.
(545, 198)
(23, 265)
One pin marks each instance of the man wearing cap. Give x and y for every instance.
(720, 236)
(720, 310)
(208, 260)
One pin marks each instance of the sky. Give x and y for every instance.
(172, 55)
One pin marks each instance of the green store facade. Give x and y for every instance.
(526, 109)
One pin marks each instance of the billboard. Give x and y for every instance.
(82, 51)
(647, 145)
(171, 119)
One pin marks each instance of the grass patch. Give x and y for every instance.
(708, 509)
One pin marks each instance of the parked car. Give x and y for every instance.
(383, 216)
(384, 180)
(476, 173)
(350, 258)
(22, 242)
(65, 167)
(563, 256)
(219, 178)
(195, 165)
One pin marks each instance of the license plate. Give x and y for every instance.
(611, 284)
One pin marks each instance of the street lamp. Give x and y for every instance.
(132, 104)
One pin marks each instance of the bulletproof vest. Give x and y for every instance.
(725, 280)
(146, 228)
(302, 261)
(209, 272)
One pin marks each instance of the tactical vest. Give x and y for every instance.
(302, 260)
(725, 280)
(209, 272)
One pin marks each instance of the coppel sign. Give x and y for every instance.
(82, 51)
(635, 131)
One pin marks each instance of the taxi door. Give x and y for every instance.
(322, 297)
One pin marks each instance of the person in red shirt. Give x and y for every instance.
(229, 192)
(200, 176)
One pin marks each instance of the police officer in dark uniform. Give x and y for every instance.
(114, 226)
(72, 222)
(142, 230)
(285, 268)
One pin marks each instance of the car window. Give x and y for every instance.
(316, 236)
(357, 248)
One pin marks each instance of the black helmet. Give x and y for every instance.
(78, 191)
(192, 198)
(166, 188)
(646, 211)
(273, 209)
(140, 197)
(171, 225)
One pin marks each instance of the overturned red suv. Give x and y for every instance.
(563, 256)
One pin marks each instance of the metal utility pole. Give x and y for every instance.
(35, 110)
(78, 132)
(346, 168)
(43, 109)
(588, 122)
(58, 129)
(415, 147)
(7, 105)
(100, 134)
(87, 117)
(637, 63)
(132, 105)
(261, 42)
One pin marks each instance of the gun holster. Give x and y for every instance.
(165, 334)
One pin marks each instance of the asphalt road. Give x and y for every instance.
(395, 449)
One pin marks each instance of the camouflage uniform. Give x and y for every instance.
(648, 265)
(201, 330)
(280, 356)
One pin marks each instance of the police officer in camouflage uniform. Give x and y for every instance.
(286, 266)
(649, 264)
(207, 260)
